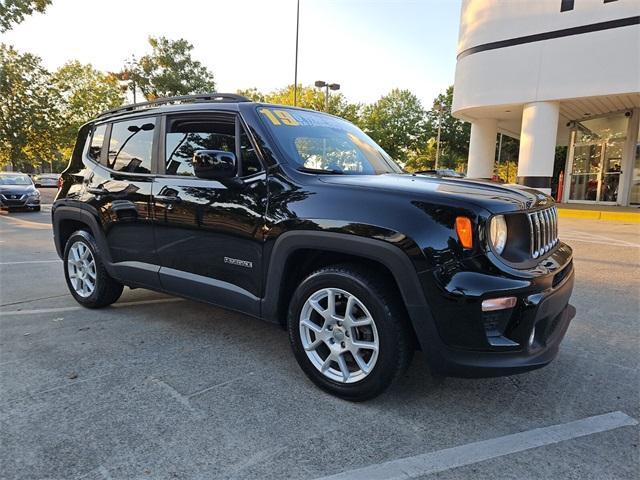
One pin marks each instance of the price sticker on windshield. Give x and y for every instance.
(279, 117)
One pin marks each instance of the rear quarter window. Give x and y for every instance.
(97, 141)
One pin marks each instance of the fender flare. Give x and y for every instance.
(81, 215)
(391, 256)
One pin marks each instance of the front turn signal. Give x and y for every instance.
(465, 232)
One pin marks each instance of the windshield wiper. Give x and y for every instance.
(320, 170)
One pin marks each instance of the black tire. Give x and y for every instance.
(396, 345)
(107, 290)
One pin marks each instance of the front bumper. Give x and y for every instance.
(461, 341)
(548, 321)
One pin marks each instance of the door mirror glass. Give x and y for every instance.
(214, 164)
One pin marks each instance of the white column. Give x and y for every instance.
(628, 158)
(482, 148)
(538, 144)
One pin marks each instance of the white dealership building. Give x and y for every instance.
(554, 72)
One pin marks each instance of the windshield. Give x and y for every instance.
(15, 180)
(319, 142)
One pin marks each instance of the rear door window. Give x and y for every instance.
(131, 145)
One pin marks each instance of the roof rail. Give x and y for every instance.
(202, 97)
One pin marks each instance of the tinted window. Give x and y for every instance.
(250, 161)
(130, 146)
(566, 5)
(97, 140)
(185, 136)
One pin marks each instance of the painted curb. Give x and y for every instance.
(629, 217)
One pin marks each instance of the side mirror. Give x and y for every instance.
(214, 164)
(37, 184)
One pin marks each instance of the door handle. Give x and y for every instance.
(168, 199)
(97, 191)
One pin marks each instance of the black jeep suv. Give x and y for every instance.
(299, 218)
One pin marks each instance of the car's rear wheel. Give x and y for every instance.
(86, 277)
(349, 332)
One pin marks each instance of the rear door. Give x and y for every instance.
(119, 189)
(208, 233)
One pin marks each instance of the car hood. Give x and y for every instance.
(17, 189)
(494, 197)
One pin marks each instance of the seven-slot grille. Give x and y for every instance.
(543, 228)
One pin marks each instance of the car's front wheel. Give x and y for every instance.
(348, 331)
(86, 277)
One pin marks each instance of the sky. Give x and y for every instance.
(367, 46)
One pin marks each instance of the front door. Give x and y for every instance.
(208, 233)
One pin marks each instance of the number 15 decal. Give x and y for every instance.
(279, 117)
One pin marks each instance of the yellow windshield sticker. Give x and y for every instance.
(286, 117)
(279, 117)
(267, 113)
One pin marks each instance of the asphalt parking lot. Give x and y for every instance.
(158, 387)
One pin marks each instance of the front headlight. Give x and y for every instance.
(498, 233)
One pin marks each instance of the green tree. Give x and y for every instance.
(507, 167)
(168, 70)
(29, 115)
(423, 157)
(252, 94)
(454, 133)
(397, 123)
(84, 93)
(13, 12)
(311, 98)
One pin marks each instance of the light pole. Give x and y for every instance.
(295, 73)
(327, 87)
(438, 106)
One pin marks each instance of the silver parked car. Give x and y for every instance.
(47, 180)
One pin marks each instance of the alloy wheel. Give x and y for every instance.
(81, 267)
(339, 335)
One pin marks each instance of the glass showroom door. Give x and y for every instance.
(610, 172)
(634, 197)
(585, 172)
(596, 159)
